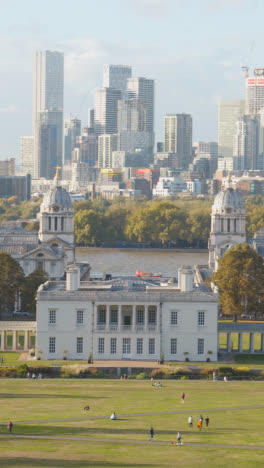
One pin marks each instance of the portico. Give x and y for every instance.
(241, 337)
(16, 336)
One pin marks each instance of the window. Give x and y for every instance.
(126, 345)
(152, 315)
(200, 349)
(52, 317)
(139, 345)
(235, 225)
(49, 223)
(62, 223)
(140, 314)
(101, 315)
(174, 317)
(100, 345)
(152, 346)
(113, 346)
(56, 223)
(173, 345)
(52, 344)
(79, 318)
(79, 344)
(201, 318)
(228, 225)
(114, 315)
(222, 225)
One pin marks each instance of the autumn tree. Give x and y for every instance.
(11, 280)
(240, 279)
(29, 290)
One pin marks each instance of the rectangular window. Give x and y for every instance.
(62, 223)
(113, 346)
(52, 317)
(101, 315)
(79, 344)
(222, 225)
(152, 316)
(113, 316)
(174, 317)
(200, 348)
(152, 346)
(55, 223)
(52, 344)
(100, 345)
(140, 315)
(201, 318)
(126, 346)
(173, 345)
(79, 318)
(235, 225)
(49, 223)
(139, 345)
(228, 225)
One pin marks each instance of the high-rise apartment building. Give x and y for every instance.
(178, 136)
(132, 115)
(27, 155)
(86, 148)
(7, 167)
(229, 112)
(105, 112)
(246, 145)
(116, 76)
(106, 145)
(255, 92)
(143, 90)
(72, 129)
(48, 86)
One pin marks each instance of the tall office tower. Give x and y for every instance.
(246, 143)
(255, 92)
(27, 155)
(229, 111)
(178, 136)
(105, 112)
(143, 89)
(116, 76)
(106, 145)
(132, 115)
(72, 129)
(48, 84)
(91, 119)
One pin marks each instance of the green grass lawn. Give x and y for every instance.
(35, 401)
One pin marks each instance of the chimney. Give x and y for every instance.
(179, 277)
(186, 279)
(72, 278)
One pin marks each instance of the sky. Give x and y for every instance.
(193, 49)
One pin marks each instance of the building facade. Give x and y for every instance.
(105, 111)
(116, 76)
(178, 136)
(72, 129)
(229, 112)
(27, 155)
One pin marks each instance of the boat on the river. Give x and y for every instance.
(144, 274)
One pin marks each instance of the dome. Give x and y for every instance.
(228, 198)
(56, 197)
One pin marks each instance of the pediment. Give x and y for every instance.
(47, 252)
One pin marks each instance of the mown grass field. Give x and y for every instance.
(41, 402)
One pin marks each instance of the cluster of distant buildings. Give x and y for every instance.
(114, 153)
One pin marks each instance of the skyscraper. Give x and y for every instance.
(105, 112)
(178, 136)
(229, 112)
(48, 84)
(132, 115)
(116, 76)
(143, 89)
(106, 145)
(246, 145)
(27, 155)
(72, 129)
(255, 92)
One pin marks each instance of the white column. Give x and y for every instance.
(2, 340)
(14, 340)
(133, 317)
(251, 343)
(107, 318)
(119, 317)
(26, 340)
(228, 342)
(240, 342)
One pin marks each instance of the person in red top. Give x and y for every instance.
(10, 426)
(182, 397)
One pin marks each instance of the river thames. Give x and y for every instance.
(126, 261)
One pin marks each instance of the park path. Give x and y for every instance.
(130, 441)
(131, 415)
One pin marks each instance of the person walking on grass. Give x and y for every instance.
(190, 421)
(179, 439)
(200, 423)
(10, 426)
(207, 421)
(182, 397)
(151, 433)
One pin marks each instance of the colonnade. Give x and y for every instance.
(252, 332)
(16, 329)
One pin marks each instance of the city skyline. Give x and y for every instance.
(194, 64)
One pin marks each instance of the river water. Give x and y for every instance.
(126, 262)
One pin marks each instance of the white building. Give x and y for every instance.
(168, 186)
(72, 129)
(27, 155)
(105, 110)
(116, 76)
(178, 136)
(127, 318)
(106, 145)
(229, 111)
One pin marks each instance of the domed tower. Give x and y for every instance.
(56, 226)
(228, 226)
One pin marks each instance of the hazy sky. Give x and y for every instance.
(193, 49)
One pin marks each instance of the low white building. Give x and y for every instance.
(168, 186)
(127, 318)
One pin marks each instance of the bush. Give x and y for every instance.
(249, 358)
(242, 371)
(157, 374)
(142, 376)
(162, 358)
(22, 371)
(224, 370)
(206, 371)
(184, 377)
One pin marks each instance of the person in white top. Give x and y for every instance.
(190, 421)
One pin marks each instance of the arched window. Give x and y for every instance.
(40, 262)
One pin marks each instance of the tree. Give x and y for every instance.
(29, 290)
(11, 280)
(240, 279)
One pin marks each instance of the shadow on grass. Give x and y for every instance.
(48, 462)
(47, 395)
